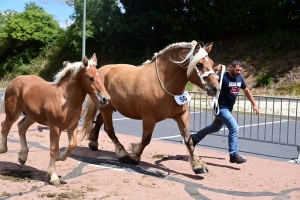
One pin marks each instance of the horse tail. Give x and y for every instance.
(90, 113)
(2, 107)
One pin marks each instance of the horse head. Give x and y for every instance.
(200, 70)
(92, 82)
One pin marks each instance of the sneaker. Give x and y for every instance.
(236, 158)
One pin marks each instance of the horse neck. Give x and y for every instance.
(72, 88)
(172, 75)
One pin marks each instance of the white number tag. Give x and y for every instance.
(182, 99)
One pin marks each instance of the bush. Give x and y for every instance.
(265, 80)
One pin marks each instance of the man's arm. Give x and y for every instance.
(250, 97)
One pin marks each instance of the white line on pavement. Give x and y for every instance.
(174, 136)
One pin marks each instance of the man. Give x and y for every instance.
(231, 84)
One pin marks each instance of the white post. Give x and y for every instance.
(83, 28)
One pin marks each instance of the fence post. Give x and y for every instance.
(298, 159)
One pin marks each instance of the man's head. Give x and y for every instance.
(236, 68)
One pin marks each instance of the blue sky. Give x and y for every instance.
(58, 8)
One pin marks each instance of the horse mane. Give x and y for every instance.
(193, 58)
(73, 67)
(172, 46)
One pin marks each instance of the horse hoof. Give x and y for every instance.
(55, 182)
(93, 147)
(201, 171)
(22, 162)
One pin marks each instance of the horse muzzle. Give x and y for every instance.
(103, 100)
(212, 91)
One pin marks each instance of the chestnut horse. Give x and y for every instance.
(147, 93)
(55, 104)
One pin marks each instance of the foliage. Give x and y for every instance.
(127, 31)
(291, 90)
(22, 36)
(265, 80)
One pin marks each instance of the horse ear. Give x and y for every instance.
(94, 57)
(197, 47)
(65, 63)
(85, 61)
(209, 47)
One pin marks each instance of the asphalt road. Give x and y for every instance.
(167, 130)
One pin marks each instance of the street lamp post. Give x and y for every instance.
(83, 28)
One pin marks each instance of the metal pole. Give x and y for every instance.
(83, 28)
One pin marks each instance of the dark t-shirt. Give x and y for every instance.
(230, 90)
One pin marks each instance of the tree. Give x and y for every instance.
(24, 34)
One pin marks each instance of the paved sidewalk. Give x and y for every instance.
(163, 173)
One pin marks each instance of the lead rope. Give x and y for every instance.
(163, 87)
(215, 102)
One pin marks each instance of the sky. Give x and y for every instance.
(58, 8)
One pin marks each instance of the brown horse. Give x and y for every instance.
(55, 104)
(147, 93)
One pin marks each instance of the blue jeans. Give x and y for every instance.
(224, 117)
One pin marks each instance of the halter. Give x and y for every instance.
(203, 76)
(199, 55)
(202, 54)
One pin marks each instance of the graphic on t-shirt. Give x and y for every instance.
(234, 84)
(234, 88)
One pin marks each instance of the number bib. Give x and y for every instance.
(182, 99)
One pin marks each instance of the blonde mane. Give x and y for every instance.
(172, 46)
(73, 67)
(193, 59)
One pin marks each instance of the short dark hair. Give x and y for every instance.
(237, 62)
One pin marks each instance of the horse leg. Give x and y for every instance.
(120, 151)
(54, 147)
(23, 125)
(138, 148)
(72, 135)
(94, 133)
(198, 166)
(10, 118)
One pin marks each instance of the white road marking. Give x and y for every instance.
(125, 118)
(174, 136)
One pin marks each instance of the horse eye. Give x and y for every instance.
(91, 79)
(200, 65)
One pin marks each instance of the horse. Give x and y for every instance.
(56, 104)
(148, 93)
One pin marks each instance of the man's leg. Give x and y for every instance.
(214, 127)
(231, 124)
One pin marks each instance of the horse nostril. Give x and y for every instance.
(216, 89)
(105, 100)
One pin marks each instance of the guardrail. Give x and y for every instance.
(278, 121)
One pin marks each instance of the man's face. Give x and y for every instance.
(235, 71)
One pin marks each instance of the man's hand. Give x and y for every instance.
(217, 68)
(256, 109)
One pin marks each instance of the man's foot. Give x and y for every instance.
(236, 158)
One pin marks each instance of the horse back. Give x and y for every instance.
(136, 93)
(28, 93)
(26, 85)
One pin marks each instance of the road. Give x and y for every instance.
(167, 130)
